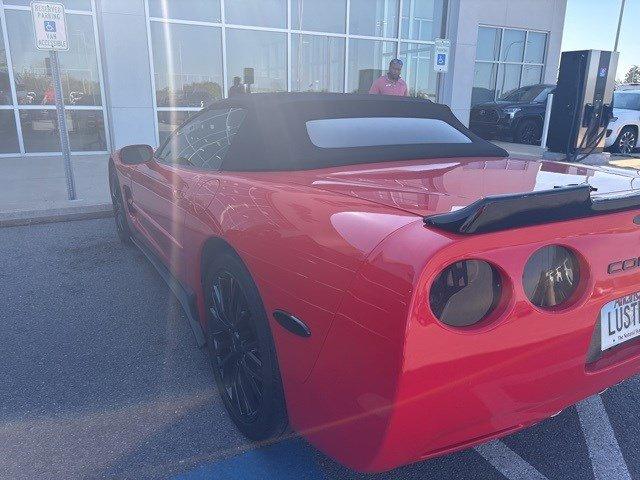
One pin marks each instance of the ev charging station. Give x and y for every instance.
(582, 103)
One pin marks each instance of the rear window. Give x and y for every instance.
(381, 131)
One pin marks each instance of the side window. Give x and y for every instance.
(204, 141)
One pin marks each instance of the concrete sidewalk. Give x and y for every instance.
(34, 189)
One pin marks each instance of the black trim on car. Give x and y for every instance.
(292, 323)
(185, 296)
(503, 212)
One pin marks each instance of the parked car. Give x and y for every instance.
(370, 272)
(516, 116)
(622, 133)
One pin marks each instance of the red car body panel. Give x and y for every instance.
(381, 382)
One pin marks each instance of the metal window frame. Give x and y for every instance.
(14, 94)
(289, 31)
(521, 64)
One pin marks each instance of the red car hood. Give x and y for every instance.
(428, 187)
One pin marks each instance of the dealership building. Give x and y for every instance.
(137, 68)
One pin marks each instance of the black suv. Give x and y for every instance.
(517, 115)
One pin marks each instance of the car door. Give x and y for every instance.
(158, 193)
(167, 191)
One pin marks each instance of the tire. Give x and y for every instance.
(626, 142)
(119, 212)
(241, 350)
(528, 132)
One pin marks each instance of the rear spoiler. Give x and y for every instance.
(503, 212)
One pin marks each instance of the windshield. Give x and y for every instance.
(535, 93)
(627, 100)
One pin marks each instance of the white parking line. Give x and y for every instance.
(607, 461)
(508, 462)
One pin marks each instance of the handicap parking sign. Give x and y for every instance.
(441, 55)
(49, 25)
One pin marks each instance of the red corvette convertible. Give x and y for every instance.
(368, 271)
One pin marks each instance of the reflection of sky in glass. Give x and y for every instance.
(181, 77)
(265, 52)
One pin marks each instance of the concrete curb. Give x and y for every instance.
(32, 217)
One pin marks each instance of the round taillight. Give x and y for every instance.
(551, 276)
(465, 293)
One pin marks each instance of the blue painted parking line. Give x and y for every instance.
(288, 460)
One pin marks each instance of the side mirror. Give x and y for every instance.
(136, 154)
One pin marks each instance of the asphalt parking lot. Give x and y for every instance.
(100, 377)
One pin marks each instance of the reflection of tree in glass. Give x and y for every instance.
(32, 85)
(197, 94)
(79, 91)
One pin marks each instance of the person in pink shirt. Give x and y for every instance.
(391, 83)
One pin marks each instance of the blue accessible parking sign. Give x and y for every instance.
(49, 26)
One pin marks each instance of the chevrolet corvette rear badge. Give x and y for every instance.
(623, 265)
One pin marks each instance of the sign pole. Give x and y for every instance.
(62, 124)
(50, 28)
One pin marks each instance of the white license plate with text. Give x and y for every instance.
(620, 321)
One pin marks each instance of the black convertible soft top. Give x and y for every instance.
(274, 133)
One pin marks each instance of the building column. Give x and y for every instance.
(122, 29)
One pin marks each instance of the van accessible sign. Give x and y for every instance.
(50, 25)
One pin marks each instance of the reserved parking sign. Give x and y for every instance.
(50, 26)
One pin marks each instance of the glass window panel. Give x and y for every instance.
(368, 60)
(626, 100)
(418, 69)
(421, 19)
(8, 133)
(204, 141)
(264, 13)
(317, 63)
(168, 122)
(508, 79)
(79, 65)
(5, 86)
(376, 18)
(536, 47)
(512, 46)
(68, 4)
(531, 75)
(488, 47)
(264, 52)
(319, 16)
(484, 83)
(86, 130)
(201, 10)
(40, 131)
(182, 78)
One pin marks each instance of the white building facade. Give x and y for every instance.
(138, 68)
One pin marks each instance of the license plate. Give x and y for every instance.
(620, 321)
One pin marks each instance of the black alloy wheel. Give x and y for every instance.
(627, 141)
(242, 352)
(119, 212)
(528, 133)
(237, 355)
